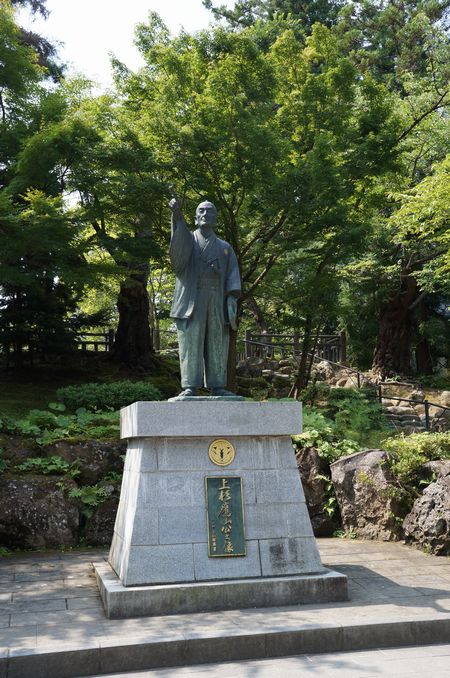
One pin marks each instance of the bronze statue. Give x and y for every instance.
(204, 305)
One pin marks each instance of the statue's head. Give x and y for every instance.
(206, 216)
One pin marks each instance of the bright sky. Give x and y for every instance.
(90, 29)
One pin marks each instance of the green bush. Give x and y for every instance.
(408, 454)
(107, 396)
(357, 415)
(45, 426)
(319, 432)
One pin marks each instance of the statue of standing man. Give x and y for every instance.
(204, 306)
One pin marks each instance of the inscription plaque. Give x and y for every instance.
(225, 516)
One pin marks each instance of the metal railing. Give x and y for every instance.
(331, 347)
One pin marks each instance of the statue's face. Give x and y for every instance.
(206, 215)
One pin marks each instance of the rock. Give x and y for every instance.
(342, 383)
(323, 371)
(365, 492)
(428, 523)
(96, 458)
(445, 398)
(417, 395)
(440, 467)
(36, 513)
(100, 525)
(310, 466)
(282, 378)
(286, 369)
(16, 449)
(285, 362)
(267, 374)
(398, 409)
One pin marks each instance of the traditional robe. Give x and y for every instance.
(206, 273)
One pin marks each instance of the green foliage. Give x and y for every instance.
(90, 496)
(100, 396)
(356, 415)
(319, 432)
(49, 466)
(45, 426)
(408, 454)
(330, 503)
(315, 391)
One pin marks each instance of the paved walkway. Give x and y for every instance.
(50, 612)
(407, 662)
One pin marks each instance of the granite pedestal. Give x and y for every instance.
(159, 560)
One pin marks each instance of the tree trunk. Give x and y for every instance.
(133, 344)
(393, 348)
(301, 378)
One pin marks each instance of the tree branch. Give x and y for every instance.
(418, 120)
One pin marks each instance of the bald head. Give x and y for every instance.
(206, 216)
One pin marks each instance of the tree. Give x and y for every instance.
(246, 12)
(40, 257)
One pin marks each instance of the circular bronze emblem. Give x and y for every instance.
(221, 452)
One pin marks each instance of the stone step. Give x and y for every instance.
(218, 639)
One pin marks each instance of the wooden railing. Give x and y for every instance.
(96, 341)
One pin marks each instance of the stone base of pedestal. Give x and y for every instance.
(195, 531)
(121, 602)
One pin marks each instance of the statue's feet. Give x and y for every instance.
(221, 392)
(188, 392)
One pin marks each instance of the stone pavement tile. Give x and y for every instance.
(68, 635)
(5, 620)
(33, 606)
(81, 603)
(6, 577)
(58, 617)
(25, 636)
(419, 651)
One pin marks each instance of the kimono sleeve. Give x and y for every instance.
(233, 280)
(181, 245)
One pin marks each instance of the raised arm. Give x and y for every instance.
(182, 240)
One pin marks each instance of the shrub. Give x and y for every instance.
(319, 432)
(107, 396)
(45, 427)
(408, 454)
(356, 414)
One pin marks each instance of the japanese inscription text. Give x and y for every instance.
(225, 516)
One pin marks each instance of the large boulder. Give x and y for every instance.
(366, 494)
(15, 449)
(100, 526)
(37, 512)
(428, 523)
(96, 458)
(313, 472)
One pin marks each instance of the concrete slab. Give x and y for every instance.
(69, 642)
(122, 602)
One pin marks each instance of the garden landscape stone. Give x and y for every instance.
(37, 513)
(428, 523)
(365, 492)
(100, 526)
(96, 458)
(313, 469)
